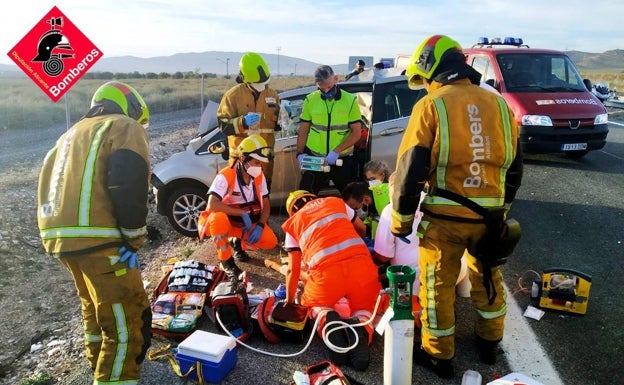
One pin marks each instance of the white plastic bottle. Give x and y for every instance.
(471, 377)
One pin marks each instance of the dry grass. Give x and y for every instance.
(614, 79)
(24, 105)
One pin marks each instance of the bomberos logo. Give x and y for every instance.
(55, 54)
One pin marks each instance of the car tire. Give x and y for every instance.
(183, 208)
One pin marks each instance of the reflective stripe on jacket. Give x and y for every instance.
(325, 232)
(329, 121)
(77, 209)
(472, 135)
(240, 100)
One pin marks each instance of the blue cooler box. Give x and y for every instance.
(215, 352)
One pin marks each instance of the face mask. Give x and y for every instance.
(254, 171)
(258, 86)
(361, 213)
(374, 182)
(329, 95)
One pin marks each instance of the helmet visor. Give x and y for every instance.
(263, 154)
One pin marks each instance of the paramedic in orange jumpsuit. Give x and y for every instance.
(321, 234)
(464, 139)
(238, 205)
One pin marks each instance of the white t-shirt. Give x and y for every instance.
(389, 246)
(220, 187)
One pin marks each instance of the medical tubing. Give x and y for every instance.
(325, 338)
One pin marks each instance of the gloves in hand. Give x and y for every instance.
(255, 234)
(246, 222)
(332, 157)
(300, 159)
(130, 256)
(251, 119)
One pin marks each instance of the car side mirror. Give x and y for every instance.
(588, 84)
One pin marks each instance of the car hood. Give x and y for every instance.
(208, 119)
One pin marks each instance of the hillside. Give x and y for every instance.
(222, 63)
(216, 62)
(613, 59)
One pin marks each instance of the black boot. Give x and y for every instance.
(229, 267)
(487, 350)
(359, 356)
(239, 254)
(443, 368)
(337, 338)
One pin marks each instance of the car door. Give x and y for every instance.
(393, 101)
(286, 172)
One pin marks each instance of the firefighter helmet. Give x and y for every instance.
(256, 147)
(428, 56)
(125, 97)
(297, 199)
(253, 69)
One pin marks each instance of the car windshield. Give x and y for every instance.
(538, 72)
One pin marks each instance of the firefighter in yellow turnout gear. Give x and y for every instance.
(250, 107)
(92, 209)
(463, 139)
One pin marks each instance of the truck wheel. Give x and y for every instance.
(576, 154)
(184, 207)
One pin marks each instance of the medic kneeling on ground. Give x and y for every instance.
(238, 205)
(321, 235)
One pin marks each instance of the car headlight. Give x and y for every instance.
(601, 119)
(536, 120)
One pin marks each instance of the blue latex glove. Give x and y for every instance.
(300, 159)
(251, 119)
(404, 239)
(332, 157)
(255, 234)
(130, 256)
(246, 222)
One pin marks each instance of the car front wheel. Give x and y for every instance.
(184, 207)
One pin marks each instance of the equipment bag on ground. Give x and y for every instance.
(280, 320)
(178, 300)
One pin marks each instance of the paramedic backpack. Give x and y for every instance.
(280, 320)
(229, 303)
(178, 300)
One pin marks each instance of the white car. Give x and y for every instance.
(180, 183)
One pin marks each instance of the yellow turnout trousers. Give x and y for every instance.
(440, 251)
(116, 315)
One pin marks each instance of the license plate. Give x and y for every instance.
(574, 146)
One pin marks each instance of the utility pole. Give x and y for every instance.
(295, 69)
(227, 66)
(278, 54)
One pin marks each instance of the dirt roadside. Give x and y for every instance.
(40, 327)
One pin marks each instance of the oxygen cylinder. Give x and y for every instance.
(399, 332)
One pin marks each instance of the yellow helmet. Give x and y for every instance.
(427, 57)
(297, 199)
(253, 69)
(256, 147)
(125, 97)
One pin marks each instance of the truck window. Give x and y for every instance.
(484, 66)
(539, 72)
(394, 100)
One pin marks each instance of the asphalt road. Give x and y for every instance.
(572, 215)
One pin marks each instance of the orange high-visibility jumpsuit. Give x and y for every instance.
(221, 227)
(335, 257)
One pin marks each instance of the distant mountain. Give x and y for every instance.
(216, 62)
(613, 59)
(220, 63)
